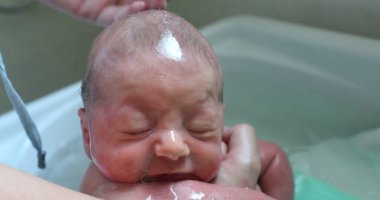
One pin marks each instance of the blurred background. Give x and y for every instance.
(45, 50)
(315, 92)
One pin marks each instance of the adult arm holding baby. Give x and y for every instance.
(17, 185)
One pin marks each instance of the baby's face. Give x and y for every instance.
(156, 121)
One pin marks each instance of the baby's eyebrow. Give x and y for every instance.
(204, 109)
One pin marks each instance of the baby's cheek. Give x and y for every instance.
(208, 161)
(118, 166)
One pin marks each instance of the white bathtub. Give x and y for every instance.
(315, 93)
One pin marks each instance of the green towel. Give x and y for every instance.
(309, 188)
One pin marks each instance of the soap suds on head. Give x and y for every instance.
(169, 47)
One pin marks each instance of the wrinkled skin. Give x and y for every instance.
(134, 137)
(104, 12)
(274, 179)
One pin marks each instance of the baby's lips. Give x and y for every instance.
(169, 178)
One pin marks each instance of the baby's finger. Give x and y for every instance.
(226, 134)
(242, 140)
(241, 166)
(242, 146)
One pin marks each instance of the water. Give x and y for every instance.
(68, 165)
(350, 164)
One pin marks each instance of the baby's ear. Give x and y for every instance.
(85, 131)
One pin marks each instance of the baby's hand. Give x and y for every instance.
(104, 12)
(241, 166)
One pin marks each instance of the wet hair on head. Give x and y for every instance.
(140, 33)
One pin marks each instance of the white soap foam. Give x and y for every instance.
(169, 47)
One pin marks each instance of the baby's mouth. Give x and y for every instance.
(168, 178)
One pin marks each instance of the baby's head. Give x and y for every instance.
(153, 101)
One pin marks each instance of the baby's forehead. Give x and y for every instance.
(149, 41)
(152, 31)
(151, 66)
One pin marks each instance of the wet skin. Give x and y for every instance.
(154, 144)
(155, 123)
(97, 185)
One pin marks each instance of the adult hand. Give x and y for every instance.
(104, 12)
(241, 166)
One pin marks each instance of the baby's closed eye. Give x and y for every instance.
(202, 128)
(133, 129)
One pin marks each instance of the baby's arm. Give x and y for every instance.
(276, 177)
(104, 12)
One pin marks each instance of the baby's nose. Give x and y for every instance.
(171, 146)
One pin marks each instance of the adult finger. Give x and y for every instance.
(241, 166)
(156, 4)
(112, 13)
(89, 9)
(151, 4)
(242, 143)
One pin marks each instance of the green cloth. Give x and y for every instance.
(309, 188)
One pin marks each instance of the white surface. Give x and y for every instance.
(302, 88)
(288, 79)
(56, 118)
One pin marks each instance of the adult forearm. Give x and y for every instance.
(17, 185)
(103, 12)
(68, 6)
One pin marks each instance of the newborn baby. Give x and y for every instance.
(153, 121)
